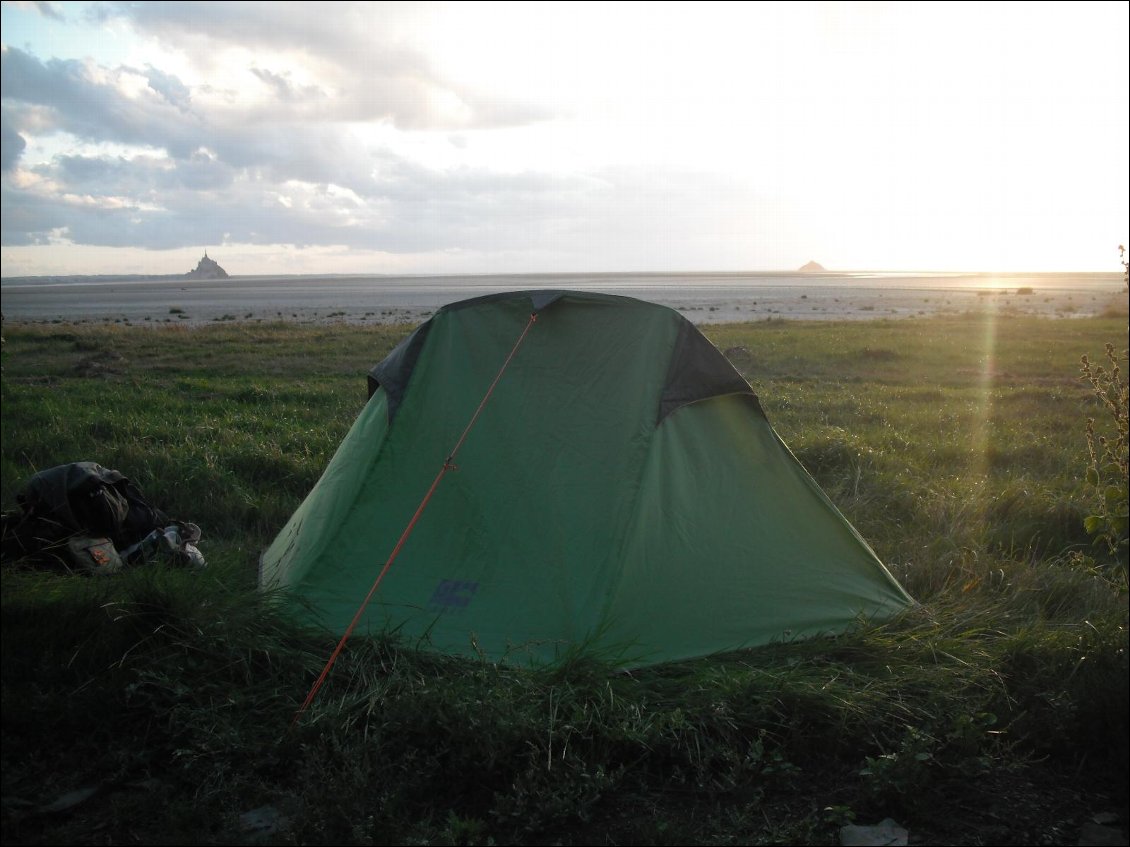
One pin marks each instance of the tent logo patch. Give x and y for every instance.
(453, 594)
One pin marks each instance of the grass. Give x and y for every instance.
(994, 713)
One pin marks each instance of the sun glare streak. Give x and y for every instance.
(986, 382)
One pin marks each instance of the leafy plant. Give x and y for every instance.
(1108, 468)
(1107, 453)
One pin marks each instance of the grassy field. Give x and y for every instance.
(154, 706)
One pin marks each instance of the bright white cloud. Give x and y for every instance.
(564, 136)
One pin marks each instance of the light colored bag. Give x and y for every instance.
(94, 555)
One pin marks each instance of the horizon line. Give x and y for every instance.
(450, 274)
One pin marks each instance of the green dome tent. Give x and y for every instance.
(616, 486)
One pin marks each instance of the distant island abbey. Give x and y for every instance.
(207, 269)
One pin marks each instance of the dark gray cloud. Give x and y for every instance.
(92, 110)
(26, 218)
(25, 79)
(201, 172)
(170, 87)
(49, 10)
(12, 143)
(147, 179)
(60, 96)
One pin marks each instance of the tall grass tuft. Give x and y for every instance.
(1109, 454)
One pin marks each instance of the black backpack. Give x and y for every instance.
(84, 498)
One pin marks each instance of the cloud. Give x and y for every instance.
(255, 190)
(91, 103)
(148, 179)
(250, 189)
(197, 164)
(289, 169)
(12, 144)
(364, 53)
(287, 91)
(49, 10)
(169, 87)
(403, 128)
(26, 219)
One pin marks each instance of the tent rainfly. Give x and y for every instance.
(617, 488)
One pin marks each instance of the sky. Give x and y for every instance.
(467, 138)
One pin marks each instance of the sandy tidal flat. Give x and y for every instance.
(702, 297)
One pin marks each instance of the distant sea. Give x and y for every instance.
(703, 297)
